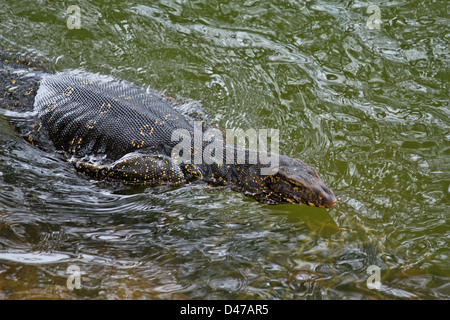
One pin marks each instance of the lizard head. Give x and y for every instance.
(296, 182)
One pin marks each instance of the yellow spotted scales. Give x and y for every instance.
(117, 131)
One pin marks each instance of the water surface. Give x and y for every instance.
(368, 108)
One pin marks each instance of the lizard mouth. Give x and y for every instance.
(326, 200)
(329, 202)
(321, 197)
(292, 192)
(332, 203)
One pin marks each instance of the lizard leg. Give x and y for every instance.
(136, 169)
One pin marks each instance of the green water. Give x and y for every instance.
(368, 108)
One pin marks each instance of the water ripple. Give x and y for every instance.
(367, 108)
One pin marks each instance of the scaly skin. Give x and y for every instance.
(114, 130)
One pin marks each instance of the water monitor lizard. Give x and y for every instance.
(115, 130)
